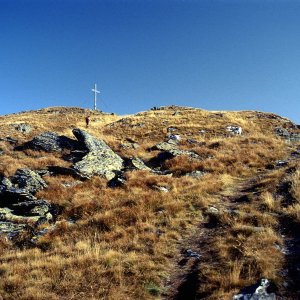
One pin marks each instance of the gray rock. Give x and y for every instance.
(234, 129)
(138, 164)
(9, 140)
(164, 146)
(71, 184)
(211, 210)
(56, 170)
(175, 137)
(191, 253)
(22, 127)
(280, 131)
(173, 142)
(160, 188)
(296, 153)
(43, 172)
(195, 174)
(28, 180)
(172, 129)
(127, 145)
(290, 136)
(5, 183)
(8, 196)
(177, 152)
(174, 151)
(192, 141)
(257, 292)
(100, 159)
(51, 142)
(11, 229)
(19, 207)
(7, 215)
(118, 181)
(281, 163)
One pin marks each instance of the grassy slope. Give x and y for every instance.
(125, 241)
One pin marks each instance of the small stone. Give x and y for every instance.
(160, 188)
(175, 137)
(212, 210)
(191, 253)
(281, 163)
(234, 129)
(195, 174)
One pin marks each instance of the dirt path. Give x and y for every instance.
(184, 282)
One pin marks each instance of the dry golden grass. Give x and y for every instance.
(121, 243)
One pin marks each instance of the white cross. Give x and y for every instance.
(95, 96)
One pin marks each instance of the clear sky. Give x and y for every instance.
(214, 54)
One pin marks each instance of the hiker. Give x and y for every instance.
(87, 121)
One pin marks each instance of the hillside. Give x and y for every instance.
(170, 203)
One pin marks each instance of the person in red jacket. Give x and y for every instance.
(87, 121)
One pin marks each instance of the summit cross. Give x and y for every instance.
(95, 95)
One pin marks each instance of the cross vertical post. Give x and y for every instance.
(95, 95)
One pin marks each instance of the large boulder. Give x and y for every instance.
(51, 142)
(28, 180)
(100, 158)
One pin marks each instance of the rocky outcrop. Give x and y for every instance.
(289, 136)
(9, 196)
(28, 180)
(18, 205)
(50, 142)
(90, 156)
(99, 160)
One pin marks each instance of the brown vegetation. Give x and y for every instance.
(123, 243)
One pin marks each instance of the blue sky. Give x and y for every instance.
(214, 54)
